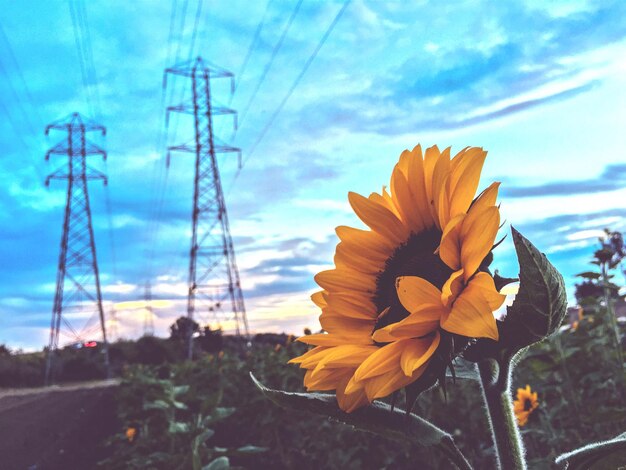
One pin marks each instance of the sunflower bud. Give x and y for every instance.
(538, 309)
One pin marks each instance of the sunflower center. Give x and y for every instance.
(527, 404)
(414, 258)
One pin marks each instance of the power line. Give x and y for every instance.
(253, 43)
(296, 81)
(271, 61)
(81, 57)
(29, 96)
(88, 51)
(161, 185)
(195, 30)
(18, 101)
(21, 140)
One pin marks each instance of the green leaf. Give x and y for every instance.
(589, 275)
(246, 450)
(220, 463)
(597, 456)
(540, 304)
(178, 427)
(180, 389)
(180, 405)
(156, 405)
(218, 414)
(203, 436)
(378, 418)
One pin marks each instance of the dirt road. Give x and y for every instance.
(56, 427)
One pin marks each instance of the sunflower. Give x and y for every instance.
(131, 433)
(525, 403)
(406, 295)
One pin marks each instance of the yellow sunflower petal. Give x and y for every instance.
(488, 290)
(417, 187)
(395, 379)
(415, 292)
(371, 243)
(487, 198)
(404, 162)
(351, 305)
(450, 247)
(309, 355)
(352, 259)
(349, 402)
(319, 298)
(385, 359)
(420, 323)
(344, 279)
(438, 198)
(324, 339)
(442, 207)
(345, 356)
(405, 202)
(464, 180)
(471, 315)
(339, 324)
(327, 379)
(311, 361)
(452, 288)
(385, 199)
(417, 352)
(378, 218)
(430, 160)
(478, 234)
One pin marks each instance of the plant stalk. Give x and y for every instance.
(612, 319)
(496, 382)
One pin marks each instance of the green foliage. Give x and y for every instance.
(379, 418)
(21, 370)
(174, 420)
(182, 328)
(577, 376)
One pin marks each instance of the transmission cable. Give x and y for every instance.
(253, 43)
(27, 92)
(268, 66)
(296, 82)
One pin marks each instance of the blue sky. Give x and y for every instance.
(540, 85)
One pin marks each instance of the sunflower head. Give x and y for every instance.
(525, 403)
(408, 294)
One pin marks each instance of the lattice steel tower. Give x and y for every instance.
(148, 315)
(78, 281)
(213, 273)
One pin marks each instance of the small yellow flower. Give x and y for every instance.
(131, 433)
(277, 347)
(220, 355)
(525, 403)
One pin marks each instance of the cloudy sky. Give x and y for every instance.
(540, 85)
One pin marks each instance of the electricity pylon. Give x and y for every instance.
(78, 281)
(213, 273)
(148, 318)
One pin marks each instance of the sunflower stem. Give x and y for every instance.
(495, 377)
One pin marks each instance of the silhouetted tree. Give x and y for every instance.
(179, 330)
